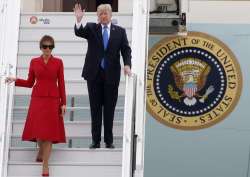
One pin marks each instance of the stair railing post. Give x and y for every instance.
(129, 127)
(72, 104)
(139, 57)
(133, 123)
(140, 33)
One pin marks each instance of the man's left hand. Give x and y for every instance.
(127, 70)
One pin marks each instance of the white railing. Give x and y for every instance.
(3, 13)
(133, 163)
(129, 127)
(9, 28)
(3, 72)
(5, 119)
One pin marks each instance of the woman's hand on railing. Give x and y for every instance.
(10, 80)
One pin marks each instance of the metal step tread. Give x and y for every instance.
(53, 176)
(72, 128)
(82, 80)
(81, 155)
(68, 108)
(72, 14)
(71, 137)
(23, 163)
(70, 122)
(57, 28)
(80, 41)
(55, 54)
(70, 149)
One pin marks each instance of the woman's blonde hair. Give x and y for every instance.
(104, 7)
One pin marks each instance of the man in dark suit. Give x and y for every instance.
(102, 68)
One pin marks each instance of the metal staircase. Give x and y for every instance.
(73, 158)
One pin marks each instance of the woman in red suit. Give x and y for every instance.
(44, 123)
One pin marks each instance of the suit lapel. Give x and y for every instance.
(111, 35)
(99, 33)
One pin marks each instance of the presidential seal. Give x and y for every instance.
(193, 82)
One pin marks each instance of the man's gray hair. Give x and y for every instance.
(104, 7)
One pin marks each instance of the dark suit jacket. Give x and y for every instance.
(48, 79)
(118, 43)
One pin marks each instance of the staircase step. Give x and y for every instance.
(78, 87)
(79, 155)
(77, 100)
(76, 175)
(59, 34)
(72, 128)
(64, 47)
(77, 113)
(68, 60)
(71, 142)
(66, 169)
(62, 19)
(70, 73)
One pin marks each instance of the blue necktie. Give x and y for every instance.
(105, 38)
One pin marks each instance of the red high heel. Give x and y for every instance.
(45, 174)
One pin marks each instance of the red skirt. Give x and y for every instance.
(44, 121)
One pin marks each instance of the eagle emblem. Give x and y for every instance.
(190, 76)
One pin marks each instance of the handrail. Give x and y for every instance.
(3, 72)
(133, 124)
(5, 101)
(139, 58)
(9, 28)
(133, 165)
(128, 160)
(3, 14)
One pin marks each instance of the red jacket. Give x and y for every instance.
(48, 79)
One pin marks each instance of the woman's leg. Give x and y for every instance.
(47, 147)
(39, 156)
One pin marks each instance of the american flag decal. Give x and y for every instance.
(190, 89)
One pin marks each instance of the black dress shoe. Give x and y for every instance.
(94, 145)
(110, 146)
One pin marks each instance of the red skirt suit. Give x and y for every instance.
(44, 121)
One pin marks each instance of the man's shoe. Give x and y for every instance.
(110, 146)
(94, 145)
